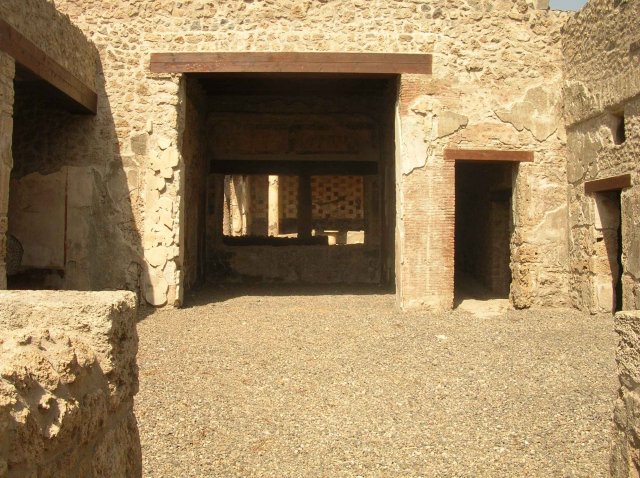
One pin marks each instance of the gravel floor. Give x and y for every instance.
(343, 385)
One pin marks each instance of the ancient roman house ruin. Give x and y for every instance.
(432, 147)
(212, 133)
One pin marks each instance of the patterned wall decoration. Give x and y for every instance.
(337, 197)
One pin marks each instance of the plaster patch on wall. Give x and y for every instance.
(537, 113)
(450, 122)
(414, 148)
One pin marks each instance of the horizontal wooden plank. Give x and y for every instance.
(286, 62)
(608, 184)
(314, 168)
(487, 155)
(32, 58)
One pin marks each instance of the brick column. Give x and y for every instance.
(7, 72)
(425, 208)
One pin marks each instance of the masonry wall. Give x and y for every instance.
(601, 46)
(625, 452)
(496, 68)
(68, 375)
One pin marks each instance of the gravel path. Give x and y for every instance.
(344, 385)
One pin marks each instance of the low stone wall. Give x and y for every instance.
(353, 264)
(68, 375)
(625, 452)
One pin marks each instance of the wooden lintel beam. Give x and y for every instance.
(312, 168)
(83, 98)
(608, 184)
(487, 155)
(286, 62)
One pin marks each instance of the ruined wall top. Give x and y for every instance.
(601, 46)
(55, 34)
(311, 25)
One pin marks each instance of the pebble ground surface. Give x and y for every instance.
(261, 383)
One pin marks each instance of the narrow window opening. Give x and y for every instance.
(618, 128)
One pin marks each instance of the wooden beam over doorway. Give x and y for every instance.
(81, 97)
(487, 155)
(608, 184)
(288, 62)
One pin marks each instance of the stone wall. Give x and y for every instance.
(341, 264)
(497, 71)
(602, 85)
(68, 375)
(625, 452)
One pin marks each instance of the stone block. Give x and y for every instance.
(68, 376)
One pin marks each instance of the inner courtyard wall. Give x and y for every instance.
(601, 47)
(495, 85)
(69, 196)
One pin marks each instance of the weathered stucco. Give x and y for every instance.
(68, 375)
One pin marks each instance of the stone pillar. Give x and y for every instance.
(273, 215)
(163, 239)
(239, 198)
(425, 207)
(304, 206)
(7, 72)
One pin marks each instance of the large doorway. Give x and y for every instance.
(290, 179)
(483, 227)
